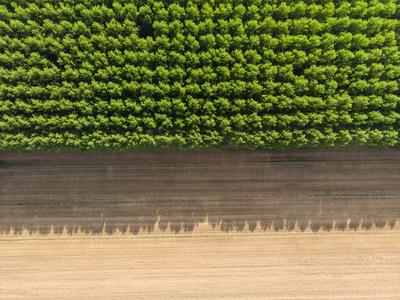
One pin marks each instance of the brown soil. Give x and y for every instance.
(176, 191)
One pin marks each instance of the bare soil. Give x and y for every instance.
(200, 225)
(334, 265)
(177, 191)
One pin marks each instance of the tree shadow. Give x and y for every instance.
(184, 215)
(232, 191)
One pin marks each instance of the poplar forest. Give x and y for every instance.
(197, 74)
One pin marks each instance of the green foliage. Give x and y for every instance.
(191, 74)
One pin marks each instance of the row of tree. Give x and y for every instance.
(305, 26)
(148, 10)
(165, 124)
(284, 51)
(210, 90)
(270, 139)
(343, 104)
(189, 49)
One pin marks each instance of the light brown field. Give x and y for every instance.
(219, 225)
(335, 265)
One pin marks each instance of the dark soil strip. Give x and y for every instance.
(177, 190)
